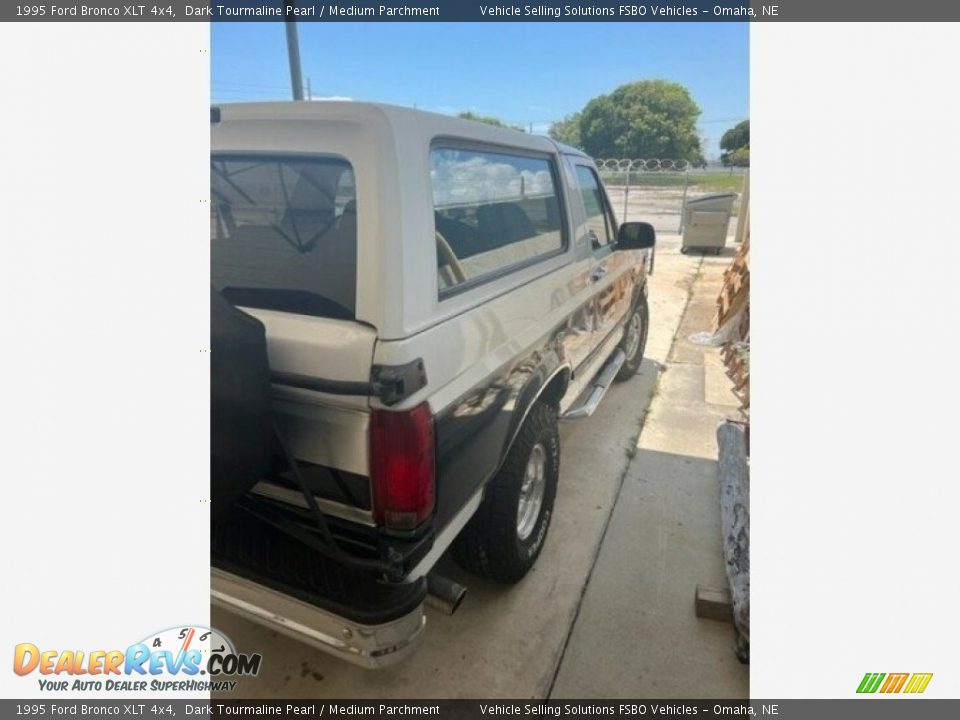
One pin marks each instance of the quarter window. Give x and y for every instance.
(492, 211)
(599, 226)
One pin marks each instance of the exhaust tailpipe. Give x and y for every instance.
(444, 594)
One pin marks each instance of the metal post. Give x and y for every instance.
(683, 205)
(293, 53)
(743, 214)
(626, 195)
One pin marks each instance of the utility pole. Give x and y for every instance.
(309, 93)
(293, 53)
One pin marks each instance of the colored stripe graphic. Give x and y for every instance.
(894, 683)
(870, 682)
(918, 682)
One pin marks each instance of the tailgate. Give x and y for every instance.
(323, 430)
(319, 348)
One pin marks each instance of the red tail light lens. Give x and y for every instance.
(402, 466)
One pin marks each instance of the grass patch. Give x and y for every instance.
(717, 182)
(648, 179)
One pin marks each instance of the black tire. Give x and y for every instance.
(491, 544)
(641, 315)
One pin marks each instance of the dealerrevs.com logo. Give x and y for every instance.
(184, 658)
(911, 683)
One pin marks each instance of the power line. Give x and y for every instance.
(249, 93)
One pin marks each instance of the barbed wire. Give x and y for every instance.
(643, 164)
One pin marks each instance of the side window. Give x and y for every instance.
(599, 223)
(492, 210)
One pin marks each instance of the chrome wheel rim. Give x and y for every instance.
(531, 491)
(633, 335)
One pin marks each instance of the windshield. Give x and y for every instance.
(283, 233)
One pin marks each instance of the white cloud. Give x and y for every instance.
(474, 179)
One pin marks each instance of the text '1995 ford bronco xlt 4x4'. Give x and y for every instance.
(404, 305)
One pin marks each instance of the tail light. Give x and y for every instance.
(402, 466)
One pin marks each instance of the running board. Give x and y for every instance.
(600, 386)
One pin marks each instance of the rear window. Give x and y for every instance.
(283, 233)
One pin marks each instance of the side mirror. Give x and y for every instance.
(636, 236)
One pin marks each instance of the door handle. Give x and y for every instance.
(598, 274)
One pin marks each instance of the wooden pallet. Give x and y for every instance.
(737, 363)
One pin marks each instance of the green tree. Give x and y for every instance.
(567, 130)
(488, 119)
(735, 144)
(645, 119)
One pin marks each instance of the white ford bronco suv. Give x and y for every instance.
(403, 306)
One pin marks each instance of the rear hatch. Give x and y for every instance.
(284, 249)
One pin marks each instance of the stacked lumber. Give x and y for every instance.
(733, 316)
(735, 293)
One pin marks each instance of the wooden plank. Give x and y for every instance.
(714, 604)
(737, 302)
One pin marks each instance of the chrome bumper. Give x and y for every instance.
(370, 646)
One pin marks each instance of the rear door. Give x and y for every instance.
(611, 272)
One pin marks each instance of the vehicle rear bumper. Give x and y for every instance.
(370, 646)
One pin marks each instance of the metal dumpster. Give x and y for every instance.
(706, 221)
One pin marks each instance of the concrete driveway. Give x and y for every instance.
(519, 641)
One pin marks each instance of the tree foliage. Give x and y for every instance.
(735, 144)
(567, 130)
(648, 119)
(488, 119)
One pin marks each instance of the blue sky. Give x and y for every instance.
(522, 73)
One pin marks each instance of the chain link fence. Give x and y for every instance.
(657, 190)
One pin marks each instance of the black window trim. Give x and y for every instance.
(449, 142)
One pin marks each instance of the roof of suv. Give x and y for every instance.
(394, 115)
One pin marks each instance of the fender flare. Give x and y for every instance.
(541, 379)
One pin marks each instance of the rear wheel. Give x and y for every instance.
(634, 339)
(504, 538)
